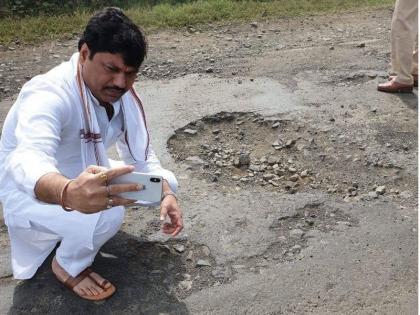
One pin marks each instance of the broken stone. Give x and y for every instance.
(380, 190)
(254, 24)
(190, 131)
(268, 176)
(290, 143)
(194, 160)
(179, 248)
(203, 263)
(222, 272)
(244, 159)
(253, 167)
(297, 233)
(275, 125)
(205, 250)
(304, 173)
(296, 248)
(185, 285)
(273, 160)
(294, 178)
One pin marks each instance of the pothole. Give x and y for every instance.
(292, 233)
(242, 149)
(191, 272)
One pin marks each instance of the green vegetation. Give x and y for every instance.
(32, 29)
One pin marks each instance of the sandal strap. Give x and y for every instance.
(72, 282)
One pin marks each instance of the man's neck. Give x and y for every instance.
(109, 109)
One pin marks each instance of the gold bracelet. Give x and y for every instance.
(169, 193)
(62, 195)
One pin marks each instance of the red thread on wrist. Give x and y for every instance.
(62, 195)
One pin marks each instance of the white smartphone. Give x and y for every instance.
(152, 191)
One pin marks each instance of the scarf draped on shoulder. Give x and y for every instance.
(133, 146)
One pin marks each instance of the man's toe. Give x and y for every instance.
(103, 283)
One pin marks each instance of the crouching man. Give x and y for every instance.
(54, 171)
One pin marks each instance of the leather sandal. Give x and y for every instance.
(72, 282)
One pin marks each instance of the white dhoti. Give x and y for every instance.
(40, 238)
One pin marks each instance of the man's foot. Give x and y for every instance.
(88, 284)
(415, 79)
(395, 87)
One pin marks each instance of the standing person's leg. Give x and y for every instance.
(415, 65)
(403, 34)
(71, 260)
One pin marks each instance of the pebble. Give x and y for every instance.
(190, 131)
(380, 190)
(194, 160)
(296, 248)
(290, 143)
(275, 125)
(209, 70)
(205, 250)
(244, 158)
(254, 24)
(304, 173)
(203, 263)
(190, 255)
(179, 248)
(294, 178)
(297, 233)
(185, 285)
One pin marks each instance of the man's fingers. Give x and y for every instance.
(163, 213)
(118, 171)
(177, 230)
(172, 229)
(119, 201)
(121, 188)
(95, 169)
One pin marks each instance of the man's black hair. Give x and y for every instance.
(110, 30)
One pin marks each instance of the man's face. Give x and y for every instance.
(106, 75)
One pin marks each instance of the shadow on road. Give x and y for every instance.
(410, 99)
(145, 274)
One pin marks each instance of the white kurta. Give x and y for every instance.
(41, 134)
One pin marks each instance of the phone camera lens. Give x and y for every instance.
(155, 180)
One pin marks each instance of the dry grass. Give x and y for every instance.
(36, 29)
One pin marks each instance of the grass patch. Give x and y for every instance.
(36, 29)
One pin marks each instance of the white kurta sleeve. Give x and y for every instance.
(40, 117)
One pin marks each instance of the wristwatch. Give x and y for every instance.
(165, 194)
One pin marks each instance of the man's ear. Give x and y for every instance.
(84, 53)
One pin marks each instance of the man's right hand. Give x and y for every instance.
(90, 192)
